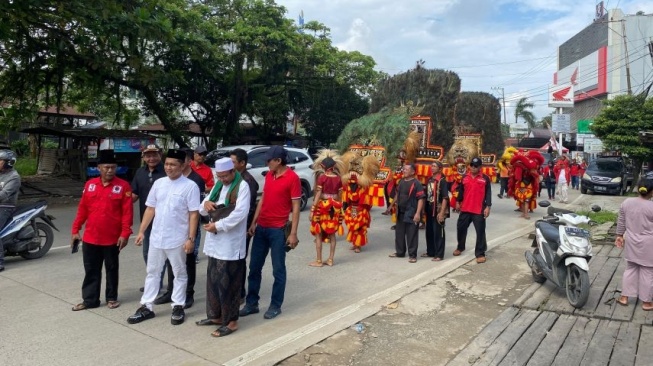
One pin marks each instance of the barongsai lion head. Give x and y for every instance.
(461, 154)
(361, 169)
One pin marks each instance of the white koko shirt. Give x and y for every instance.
(228, 244)
(172, 200)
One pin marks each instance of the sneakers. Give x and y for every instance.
(178, 315)
(271, 313)
(142, 314)
(248, 310)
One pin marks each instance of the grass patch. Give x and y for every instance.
(25, 166)
(600, 217)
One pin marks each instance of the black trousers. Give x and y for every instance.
(405, 237)
(243, 291)
(434, 237)
(5, 215)
(94, 257)
(464, 220)
(191, 269)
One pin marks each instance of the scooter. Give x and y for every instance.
(24, 236)
(562, 252)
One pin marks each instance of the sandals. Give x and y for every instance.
(436, 259)
(357, 250)
(207, 321)
(424, 255)
(623, 300)
(79, 307)
(329, 262)
(647, 308)
(112, 304)
(412, 260)
(223, 331)
(317, 263)
(395, 255)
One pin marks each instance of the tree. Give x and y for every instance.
(522, 110)
(481, 112)
(546, 122)
(618, 123)
(216, 60)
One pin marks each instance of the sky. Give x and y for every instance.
(509, 44)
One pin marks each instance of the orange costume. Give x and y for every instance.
(326, 218)
(357, 196)
(525, 178)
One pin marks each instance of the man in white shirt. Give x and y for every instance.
(172, 204)
(225, 248)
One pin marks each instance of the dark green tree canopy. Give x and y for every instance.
(480, 112)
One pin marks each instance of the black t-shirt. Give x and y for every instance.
(200, 183)
(142, 183)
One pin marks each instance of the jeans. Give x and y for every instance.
(574, 182)
(551, 189)
(198, 239)
(267, 240)
(5, 215)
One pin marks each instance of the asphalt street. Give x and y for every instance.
(38, 326)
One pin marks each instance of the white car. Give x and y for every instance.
(298, 160)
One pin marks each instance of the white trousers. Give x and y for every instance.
(156, 260)
(564, 196)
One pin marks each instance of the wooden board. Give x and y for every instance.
(598, 287)
(640, 316)
(625, 345)
(554, 339)
(608, 307)
(522, 351)
(539, 296)
(477, 346)
(615, 252)
(502, 345)
(645, 347)
(600, 347)
(575, 345)
(558, 302)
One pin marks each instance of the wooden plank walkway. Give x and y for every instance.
(541, 328)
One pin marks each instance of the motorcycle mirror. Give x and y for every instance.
(544, 203)
(595, 208)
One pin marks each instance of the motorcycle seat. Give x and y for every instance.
(550, 233)
(28, 206)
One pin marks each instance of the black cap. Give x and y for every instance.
(276, 152)
(328, 163)
(201, 150)
(476, 162)
(176, 154)
(106, 157)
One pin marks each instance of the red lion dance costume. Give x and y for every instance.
(525, 179)
(356, 196)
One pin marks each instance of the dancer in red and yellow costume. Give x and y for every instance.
(525, 180)
(325, 217)
(357, 180)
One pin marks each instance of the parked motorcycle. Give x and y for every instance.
(562, 252)
(23, 235)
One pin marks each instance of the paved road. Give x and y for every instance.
(39, 328)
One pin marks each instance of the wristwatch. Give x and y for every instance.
(189, 238)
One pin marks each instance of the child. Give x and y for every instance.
(325, 211)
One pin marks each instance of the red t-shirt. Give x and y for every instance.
(106, 211)
(205, 172)
(278, 194)
(474, 191)
(574, 170)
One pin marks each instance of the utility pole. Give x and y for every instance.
(503, 98)
(623, 34)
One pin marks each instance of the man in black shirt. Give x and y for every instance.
(191, 264)
(142, 183)
(239, 158)
(409, 201)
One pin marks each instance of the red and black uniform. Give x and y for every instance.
(409, 192)
(474, 195)
(205, 172)
(107, 212)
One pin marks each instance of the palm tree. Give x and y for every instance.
(521, 110)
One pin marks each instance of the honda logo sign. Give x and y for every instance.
(561, 96)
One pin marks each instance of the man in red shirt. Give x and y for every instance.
(107, 210)
(282, 193)
(474, 202)
(574, 170)
(202, 169)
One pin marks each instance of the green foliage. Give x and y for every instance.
(435, 92)
(25, 166)
(387, 128)
(20, 147)
(617, 126)
(481, 113)
(601, 216)
(522, 110)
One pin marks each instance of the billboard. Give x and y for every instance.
(561, 96)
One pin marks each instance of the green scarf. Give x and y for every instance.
(215, 192)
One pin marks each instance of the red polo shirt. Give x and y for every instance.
(205, 172)
(474, 193)
(278, 194)
(107, 212)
